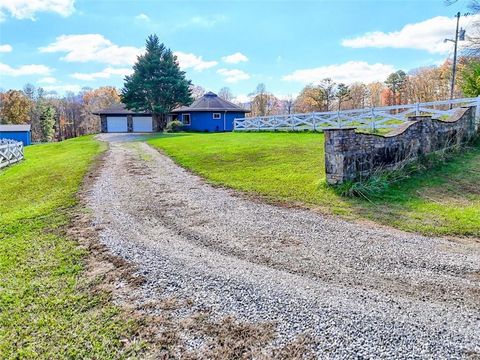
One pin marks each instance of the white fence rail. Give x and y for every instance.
(369, 118)
(11, 151)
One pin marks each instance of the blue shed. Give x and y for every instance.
(209, 113)
(16, 132)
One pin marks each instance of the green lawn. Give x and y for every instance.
(46, 308)
(289, 167)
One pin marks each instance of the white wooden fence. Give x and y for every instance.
(369, 118)
(11, 151)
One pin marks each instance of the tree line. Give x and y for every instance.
(420, 85)
(158, 86)
(54, 117)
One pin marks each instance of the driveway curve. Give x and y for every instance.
(358, 290)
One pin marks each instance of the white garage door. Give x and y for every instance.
(116, 124)
(142, 124)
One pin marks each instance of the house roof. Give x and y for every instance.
(119, 109)
(11, 127)
(211, 102)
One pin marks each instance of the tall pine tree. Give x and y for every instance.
(157, 84)
(47, 122)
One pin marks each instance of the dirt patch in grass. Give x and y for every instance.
(227, 338)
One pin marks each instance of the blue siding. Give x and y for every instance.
(204, 121)
(23, 136)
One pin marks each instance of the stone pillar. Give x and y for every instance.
(156, 123)
(129, 123)
(338, 142)
(477, 115)
(103, 123)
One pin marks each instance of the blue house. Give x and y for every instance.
(209, 113)
(16, 132)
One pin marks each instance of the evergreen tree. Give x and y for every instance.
(396, 83)
(157, 84)
(47, 122)
(343, 94)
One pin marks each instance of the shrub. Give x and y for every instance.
(174, 126)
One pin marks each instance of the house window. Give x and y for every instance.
(186, 119)
(217, 116)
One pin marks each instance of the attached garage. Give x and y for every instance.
(117, 124)
(142, 124)
(118, 119)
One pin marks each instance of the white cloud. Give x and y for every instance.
(235, 58)
(241, 99)
(203, 22)
(349, 72)
(233, 75)
(47, 80)
(5, 48)
(425, 35)
(22, 70)
(95, 47)
(26, 9)
(142, 17)
(92, 47)
(63, 88)
(192, 61)
(104, 74)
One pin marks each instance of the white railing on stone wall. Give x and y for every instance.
(368, 118)
(11, 151)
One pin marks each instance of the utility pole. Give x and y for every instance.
(459, 36)
(454, 66)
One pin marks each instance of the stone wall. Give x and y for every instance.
(353, 156)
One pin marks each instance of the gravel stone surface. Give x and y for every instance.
(361, 291)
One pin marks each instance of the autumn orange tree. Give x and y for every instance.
(15, 107)
(263, 102)
(94, 100)
(311, 98)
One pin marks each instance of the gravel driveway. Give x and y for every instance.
(358, 290)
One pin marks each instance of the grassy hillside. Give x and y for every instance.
(46, 309)
(290, 167)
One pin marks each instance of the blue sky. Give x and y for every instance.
(66, 44)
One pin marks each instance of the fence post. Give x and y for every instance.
(338, 119)
(372, 122)
(477, 113)
(417, 109)
(314, 122)
(9, 153)
(292, 119)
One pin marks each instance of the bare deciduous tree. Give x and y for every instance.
(197, 91)
(263, 103)
(225, 93)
